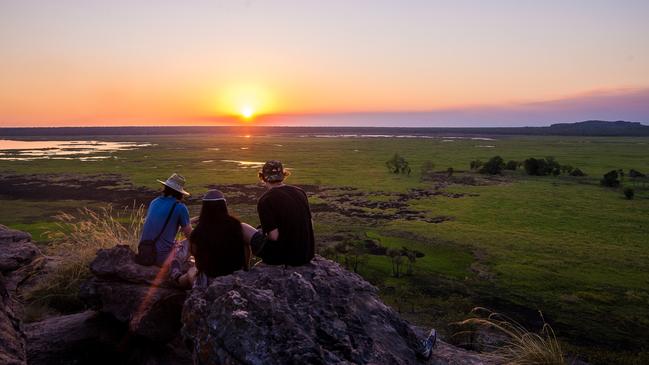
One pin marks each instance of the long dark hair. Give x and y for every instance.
(217, 241)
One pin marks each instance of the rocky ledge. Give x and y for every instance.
(16, 249)
(315, 314)
(319, 313)
(16, 253)
(134, 294)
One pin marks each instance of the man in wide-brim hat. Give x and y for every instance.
(165, 216)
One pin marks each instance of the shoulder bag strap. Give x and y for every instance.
(166, 221)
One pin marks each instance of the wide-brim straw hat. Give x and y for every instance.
(176, 182)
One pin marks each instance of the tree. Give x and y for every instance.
(566, 169)
(552, 166)
(629, 193)
(621, 173)
(610, 179)
(397, 260)
(494, 166)
(577, 172)
(532, 166)
(412, 257)
(476, 164)
(636, 176)
(398, 165)
(353, 254)
(633, 173)
(511, 165)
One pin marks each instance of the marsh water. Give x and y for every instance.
(88, 150)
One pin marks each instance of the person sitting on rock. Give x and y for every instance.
(286, 234)
(220, 243)
(165, 216)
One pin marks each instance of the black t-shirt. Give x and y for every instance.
(286, 209)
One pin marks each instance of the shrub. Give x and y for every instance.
(577, 172)
(494, 166)
(450, 171)
(567, 169)
(552, 167)
(635, 173)
(533, 166)
(398, 165)
(476, 164)
(546, 166)
(629, 193)
(520, 346)
(610, 179)
(511, 165)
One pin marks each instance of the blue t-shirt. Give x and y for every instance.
(155, 218)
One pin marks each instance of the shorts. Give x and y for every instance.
(257, 242)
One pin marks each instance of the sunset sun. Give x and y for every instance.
(247, 112)
(245, 101)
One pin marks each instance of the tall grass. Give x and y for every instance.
(74, 244)
(520, 345)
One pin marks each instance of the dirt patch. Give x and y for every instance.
(441, 179)
(112, 188)
(117, 190)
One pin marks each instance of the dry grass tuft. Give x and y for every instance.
(74, 245)
(520, 346)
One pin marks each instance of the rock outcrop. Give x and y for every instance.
(63, 336)
(319, 313)
(12, 339)
(134, 294)
(315, 314)
(16, 251)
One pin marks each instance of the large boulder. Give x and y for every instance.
(96, 339)
(134, 294)
(12, 339)
(319, 313)
(16, 249)
(65, 337)
(16, 253)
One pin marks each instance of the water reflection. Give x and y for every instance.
(246, 164)
(15, 150)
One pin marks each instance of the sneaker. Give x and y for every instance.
(427, 345)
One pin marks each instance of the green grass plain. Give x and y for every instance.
(566, 246)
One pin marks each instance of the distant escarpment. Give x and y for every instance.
(585, 128)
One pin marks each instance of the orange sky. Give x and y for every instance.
(120, 62)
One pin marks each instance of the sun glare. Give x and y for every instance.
(247, 112)
(245, 101)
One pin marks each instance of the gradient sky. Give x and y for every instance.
(353, 62)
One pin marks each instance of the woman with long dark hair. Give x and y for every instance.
(220, 243)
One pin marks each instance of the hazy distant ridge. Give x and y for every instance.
(586, 128)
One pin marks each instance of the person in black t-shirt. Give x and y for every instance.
(286, 234)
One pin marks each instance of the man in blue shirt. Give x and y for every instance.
(159, 209)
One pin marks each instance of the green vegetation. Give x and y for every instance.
(494, 166)
(519, 345)
(610, 179)
(398, 165)
(561, 244)
(73, 245)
